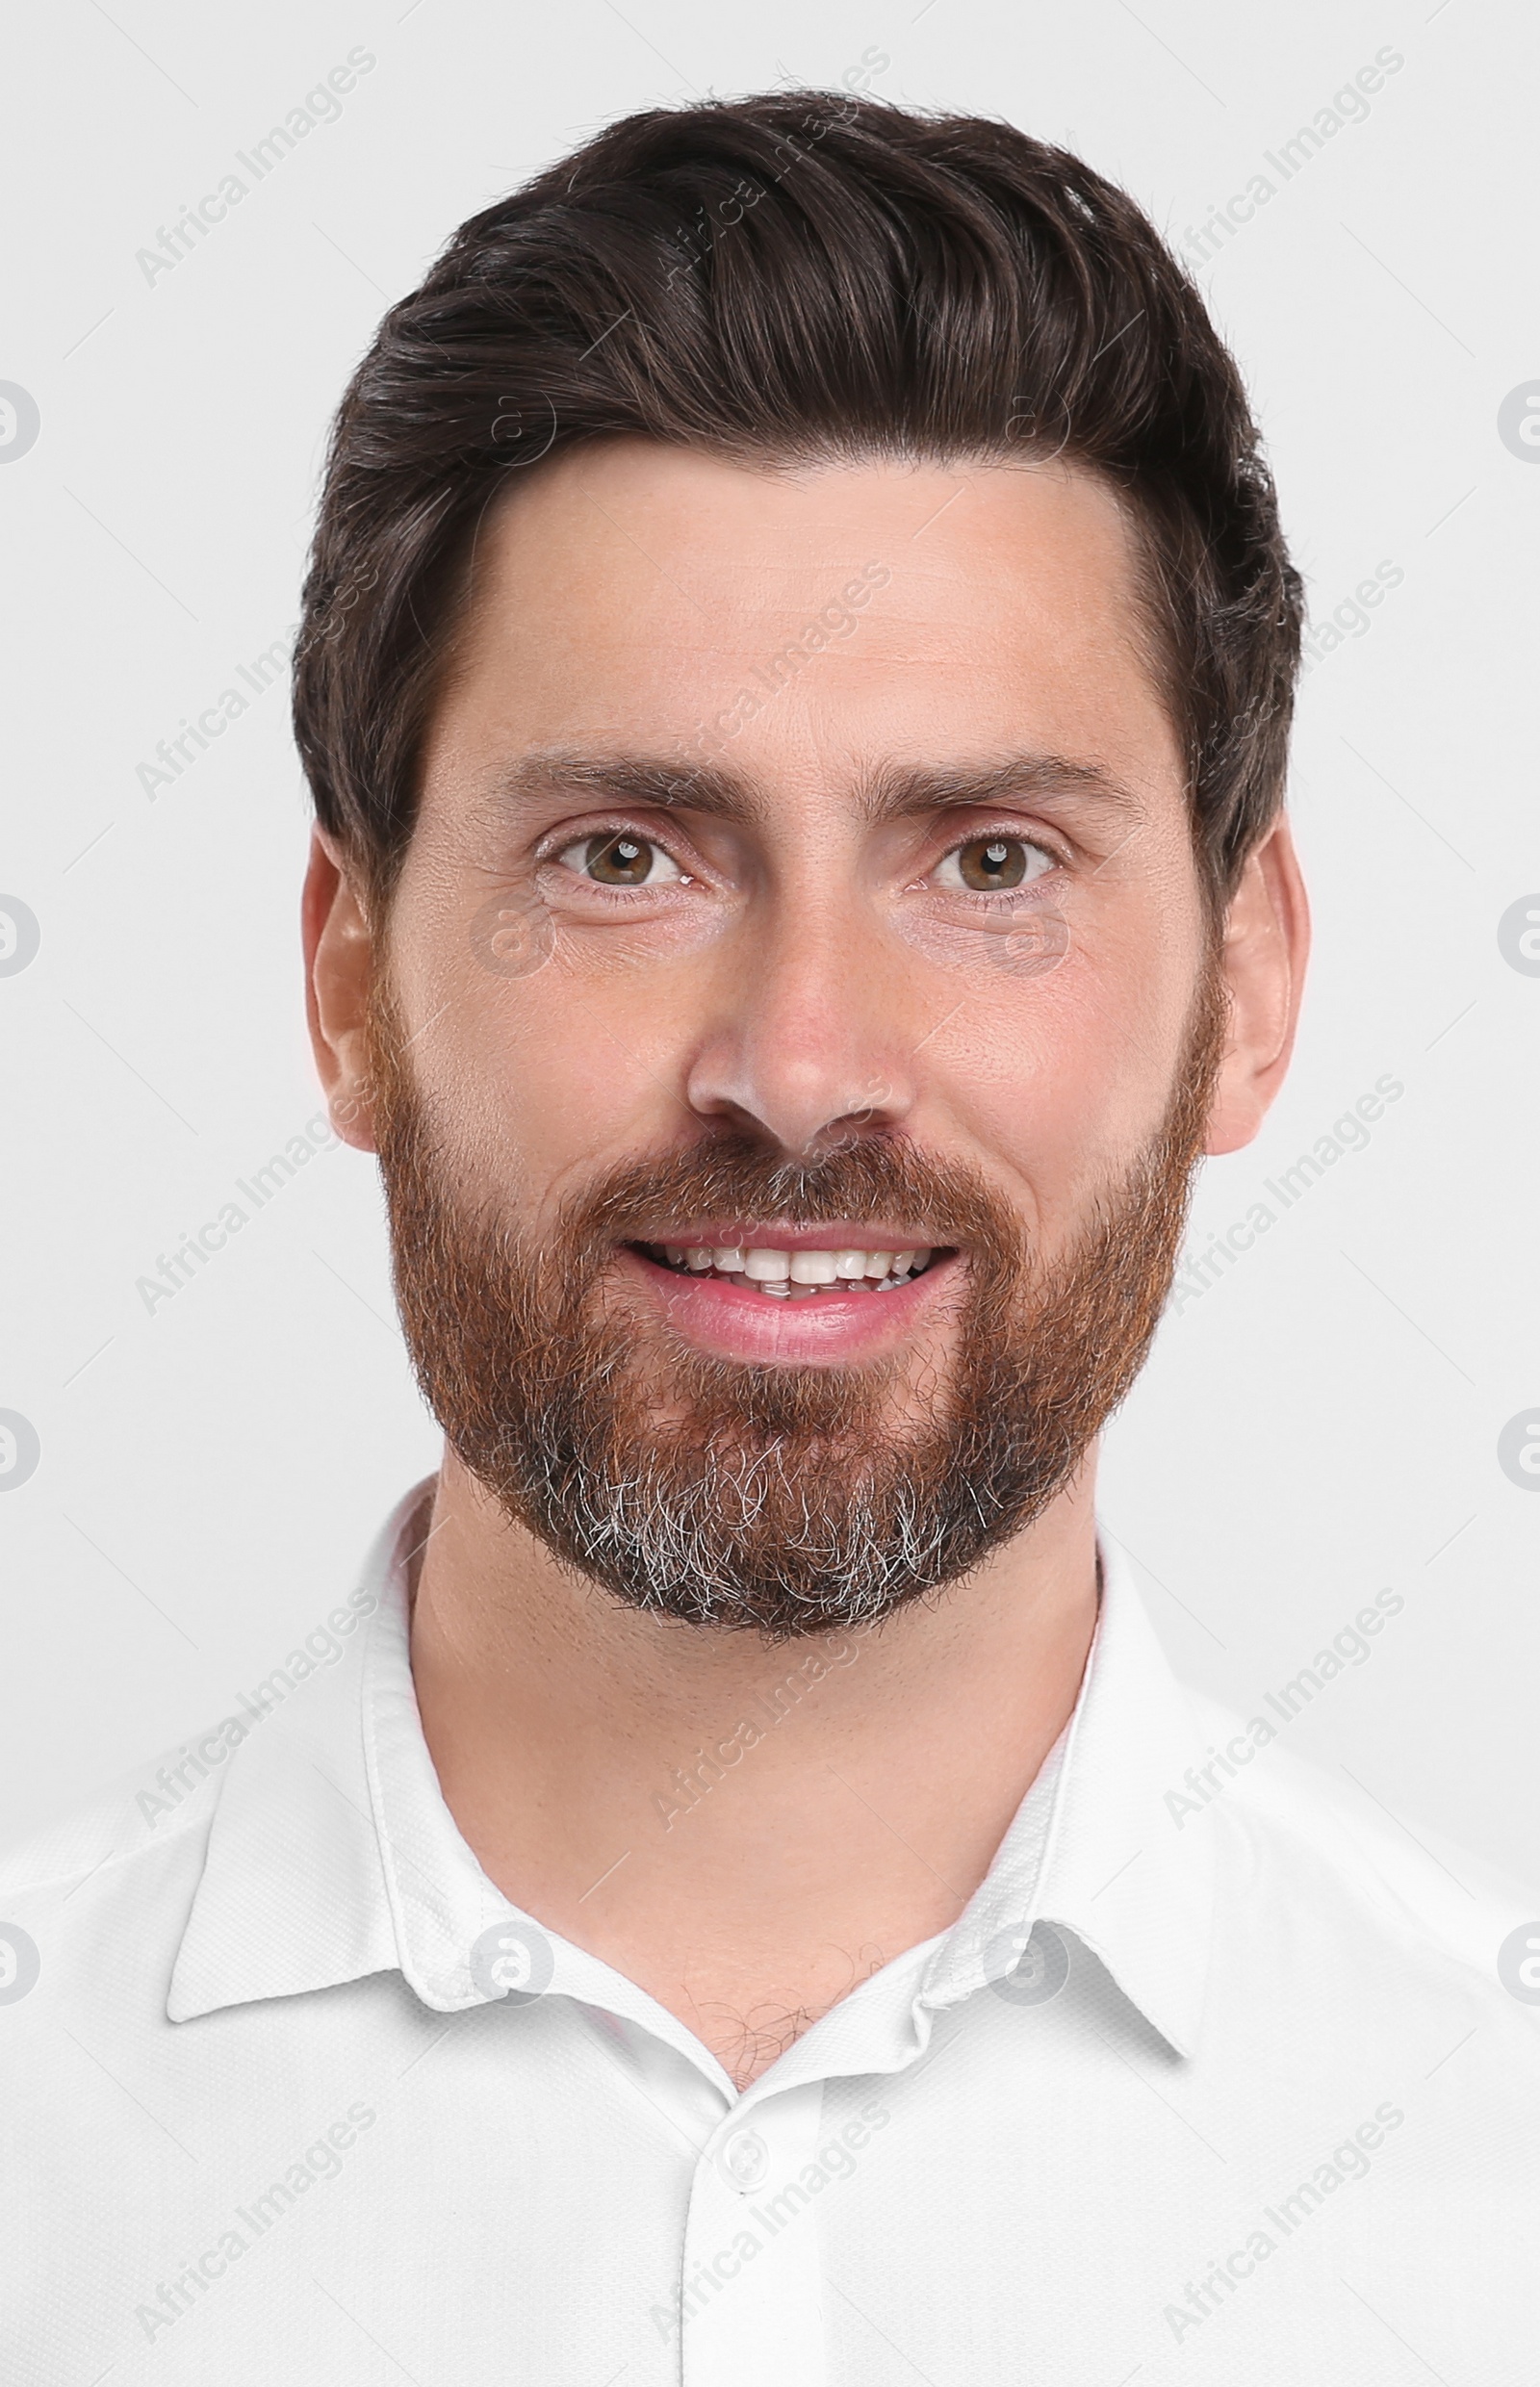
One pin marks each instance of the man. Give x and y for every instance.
(795, 681)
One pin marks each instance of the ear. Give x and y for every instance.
(1267, 943)
(339, 965)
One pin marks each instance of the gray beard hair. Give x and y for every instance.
(657, 1541)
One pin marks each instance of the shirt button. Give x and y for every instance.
(743, 2160)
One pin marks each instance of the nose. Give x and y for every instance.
(807, 1038)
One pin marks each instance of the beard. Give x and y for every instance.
(786, 1499)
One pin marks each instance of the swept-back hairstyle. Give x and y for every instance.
(800, 277)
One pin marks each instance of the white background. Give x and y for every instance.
(1323, 1422)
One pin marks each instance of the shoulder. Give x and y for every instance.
(1314, 1836)
(158, 1812)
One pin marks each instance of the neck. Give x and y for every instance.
(746, 1832)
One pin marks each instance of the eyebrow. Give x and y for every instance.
(890, 792)
(636, 779)
(899, 791)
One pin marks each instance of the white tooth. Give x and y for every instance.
(850, 1264)
(765, 1266)
(673, 1255)
(700, 1256)
(878, 1263)
(730, 1259)
(918, 1260)
(813, 1267)
(778, 1293)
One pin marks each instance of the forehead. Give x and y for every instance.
(632, 593)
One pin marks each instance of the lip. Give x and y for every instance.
(837, 1235)
(720, 1315)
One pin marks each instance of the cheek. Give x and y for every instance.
(1068, 1081)
(542, 1082)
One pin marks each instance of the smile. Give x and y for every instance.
(777, 1294)
(782, 1273)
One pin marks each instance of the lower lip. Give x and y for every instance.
(722, 1315)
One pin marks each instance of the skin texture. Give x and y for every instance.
(816, 977)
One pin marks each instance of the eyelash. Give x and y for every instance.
(619, 826)
(551, 852)
(1056, 860)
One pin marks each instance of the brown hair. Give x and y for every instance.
(798, 276)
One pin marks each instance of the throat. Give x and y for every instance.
(748, 2033)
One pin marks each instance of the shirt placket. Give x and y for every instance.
(751, 2309)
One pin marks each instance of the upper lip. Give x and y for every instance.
(842, 1234)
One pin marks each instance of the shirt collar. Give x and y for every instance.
(1092, 1848)
(293, 1892)
(332, 1855)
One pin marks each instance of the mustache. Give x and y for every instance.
(732, 1176)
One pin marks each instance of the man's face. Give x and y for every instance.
(803, 865)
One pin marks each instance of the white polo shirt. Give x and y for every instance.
(1212, 2089)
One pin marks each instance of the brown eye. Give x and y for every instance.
(986, 864)
(618, 860)
(622, 858)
